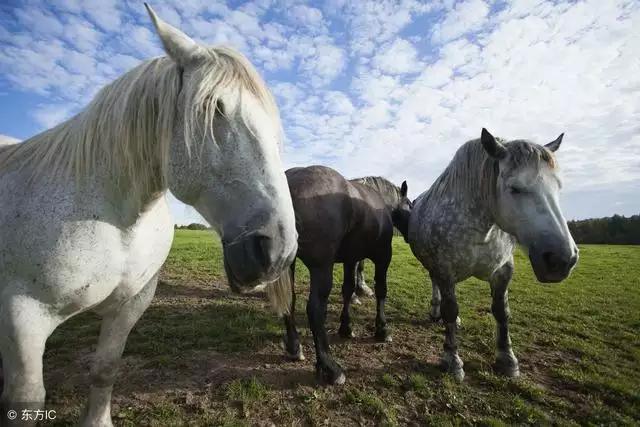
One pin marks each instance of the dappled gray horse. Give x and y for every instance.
(341, 221)
(84, 220)
(492, 196)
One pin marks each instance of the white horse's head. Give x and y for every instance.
(528, 204)
(235, 178)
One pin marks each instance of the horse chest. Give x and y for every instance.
(146, 247)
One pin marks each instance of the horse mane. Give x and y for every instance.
(472, 174)
(129, 123)
(388, 190)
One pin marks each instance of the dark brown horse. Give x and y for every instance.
(341, 221)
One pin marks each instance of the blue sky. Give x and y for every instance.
(380, 87)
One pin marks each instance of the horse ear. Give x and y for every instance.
(554, 145)
(403, 189)
(180, 47)
(494, 148)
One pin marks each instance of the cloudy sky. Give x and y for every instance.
(378, 87)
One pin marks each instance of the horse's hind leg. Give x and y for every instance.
(321, 283)
(114, 332)
(381, 268)
(436, 300)
(506, 361)
(25, 325)
(348, 286)
(293, 348)
(449, 310)
(361, 290)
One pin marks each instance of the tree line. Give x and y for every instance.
(614, 230)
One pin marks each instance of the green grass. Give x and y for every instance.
(203, 356)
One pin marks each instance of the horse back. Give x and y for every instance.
(336, 220)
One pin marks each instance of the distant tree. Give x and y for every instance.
(614, 230)
(196, 226)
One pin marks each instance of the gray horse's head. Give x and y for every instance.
(402, 211)
(528, 204)
(224, 158)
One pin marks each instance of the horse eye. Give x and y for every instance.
(220, 107)
(515, 190)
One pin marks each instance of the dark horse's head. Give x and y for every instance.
(401, 211)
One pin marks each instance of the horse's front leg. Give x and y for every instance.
(380, 277)
(321, 283)
(506, 361)
(114, 331)
(449, 310)
(348, 286)
(25, 326)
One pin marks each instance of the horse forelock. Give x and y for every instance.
(130, 121)
(228, 70)
(523, 152)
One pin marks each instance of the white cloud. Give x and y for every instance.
(466, 17)
(397, 57)
(307, 16)
(373, 86)
(49, 116)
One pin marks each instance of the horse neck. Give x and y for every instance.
(389, 198)
(130, 186)
(471, 185)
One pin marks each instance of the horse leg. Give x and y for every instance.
(362, 290)
(293, 348)
(434, 312)
(348, 286)
(321, 283)
(506, 361)
(114, 331)
(436, 300)
(26, 325)
(449, 310)
(380, 277)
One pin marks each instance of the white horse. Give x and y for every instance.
(84, 220)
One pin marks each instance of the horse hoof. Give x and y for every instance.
(362, 290)
(383, 336)
(436, 320)
(331, 377)
(346, 333)
(508, 367)
(295, 357)
(453, 364)
(458, 375)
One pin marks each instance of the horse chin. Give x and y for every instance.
(542, 273)
(256, 284)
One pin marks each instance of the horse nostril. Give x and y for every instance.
(262, 248)
(552, 262)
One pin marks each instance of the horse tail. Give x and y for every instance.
(280, 292)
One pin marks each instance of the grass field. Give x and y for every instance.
(203, 356)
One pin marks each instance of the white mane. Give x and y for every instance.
(127, 128)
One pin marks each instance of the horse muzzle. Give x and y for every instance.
(553, 265)
(255, 260)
